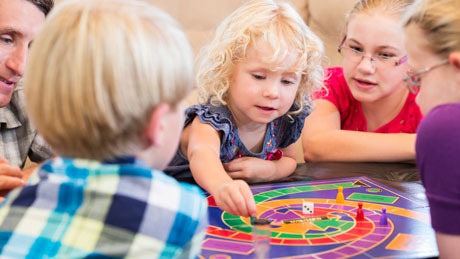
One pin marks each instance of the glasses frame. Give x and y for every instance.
(398, 61)
(413, 79)
(371, 58)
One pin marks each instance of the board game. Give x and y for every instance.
(332, 230)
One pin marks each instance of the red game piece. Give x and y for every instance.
(360, 212)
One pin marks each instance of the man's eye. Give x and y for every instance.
(6, 39)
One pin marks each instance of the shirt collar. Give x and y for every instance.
(8, 119)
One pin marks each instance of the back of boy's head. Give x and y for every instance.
(272, 22)
(440, 21)
(97, 71)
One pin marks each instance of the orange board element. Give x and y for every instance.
(407, 242)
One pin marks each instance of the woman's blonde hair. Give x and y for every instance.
(440, 22)
(271, 22)
(98, 69)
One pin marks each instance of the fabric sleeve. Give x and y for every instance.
(291, 127)
(217, 117)
(437, 151)
(39, 150)
(333, 82)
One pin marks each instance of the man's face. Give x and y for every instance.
(20, 22)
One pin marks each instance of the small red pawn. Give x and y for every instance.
(360, 212)
(383, 217)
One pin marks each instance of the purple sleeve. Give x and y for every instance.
(438, 161)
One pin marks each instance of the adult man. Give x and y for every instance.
(20, 21)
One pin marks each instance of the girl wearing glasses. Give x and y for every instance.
(433, 45)
(366, 113)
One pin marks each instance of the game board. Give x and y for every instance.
(338, 234)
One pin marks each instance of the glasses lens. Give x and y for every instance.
(351, 54)
(356, 56)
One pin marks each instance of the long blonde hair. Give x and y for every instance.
(392, 8)
(440, 22)
(97, 71)
(276, 23)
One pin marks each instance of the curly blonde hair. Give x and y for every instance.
(273, 22)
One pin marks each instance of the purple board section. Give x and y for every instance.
(332, 230)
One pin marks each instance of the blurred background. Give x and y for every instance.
(199, 19)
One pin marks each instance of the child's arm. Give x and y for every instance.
(203, 152)
(323, 140)
(254, 170)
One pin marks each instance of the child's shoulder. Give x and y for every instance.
(334, 70)
(439, 120)
(219, 117)
(207, 108)
(334, 75)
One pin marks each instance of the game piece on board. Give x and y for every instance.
(307, 207)
(308, 219)
(260, 221)
(261, 236)
(360, 212)
(339, 198)
(383, 217)
(226, 232)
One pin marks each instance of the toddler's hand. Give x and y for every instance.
(235, 197)
(250, 169)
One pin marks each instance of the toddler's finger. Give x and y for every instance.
(251, 208)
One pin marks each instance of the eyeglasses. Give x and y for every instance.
(413, 79)
(356, 55)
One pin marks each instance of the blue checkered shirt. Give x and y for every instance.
(86, 209)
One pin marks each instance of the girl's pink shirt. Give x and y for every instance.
(351, 113)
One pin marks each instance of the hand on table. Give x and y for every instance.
(250, 169)
(235, 197)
